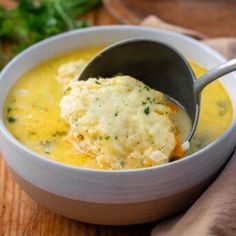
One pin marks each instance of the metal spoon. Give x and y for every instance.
(161, 67)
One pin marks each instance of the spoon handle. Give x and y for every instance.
(214, 74)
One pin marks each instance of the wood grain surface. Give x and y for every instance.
(215, 18)
(19, 214)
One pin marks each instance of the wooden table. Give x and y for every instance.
(20, 215)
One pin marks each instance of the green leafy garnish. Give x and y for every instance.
(146, 87)
(11, 119)
(147, 110)
(31, 21)
(9, 109)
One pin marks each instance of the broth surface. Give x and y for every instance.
(32, 112)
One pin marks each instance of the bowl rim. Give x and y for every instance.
(31, 154)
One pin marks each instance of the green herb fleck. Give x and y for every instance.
(155, 101)
(97, 82)
(11, 119)
(144, 103)
(45, 142)
(116, 137)
(223, 108)
(9, 109)
(67, 91)
(149, 99)
(122, 163)
(107, 137)
(59, 134)
(146, 87)
(172, 129)
(147, 110)
(32, 133)
(116, 114)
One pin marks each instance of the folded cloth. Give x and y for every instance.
(214, 213)
(225, 45)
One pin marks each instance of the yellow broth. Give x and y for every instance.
(32, 112)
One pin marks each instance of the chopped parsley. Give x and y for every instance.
(172, 129)
(116, 114)
(146, 87)
(149, 99)
(59, 133)
(122, 163)
(223, 108)
(97, 82)
(11, 119)
(147, 110)
(107, 137)
(155, 101)
(9, 109)
(32, 133)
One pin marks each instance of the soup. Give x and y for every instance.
(32, 112)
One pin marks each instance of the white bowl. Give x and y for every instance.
(113, 197)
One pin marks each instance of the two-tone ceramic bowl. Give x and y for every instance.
(113, 197)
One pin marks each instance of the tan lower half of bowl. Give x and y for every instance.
(113, 214)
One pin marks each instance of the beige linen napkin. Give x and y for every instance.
(214, 213)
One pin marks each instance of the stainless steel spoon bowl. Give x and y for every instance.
(158, 65)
